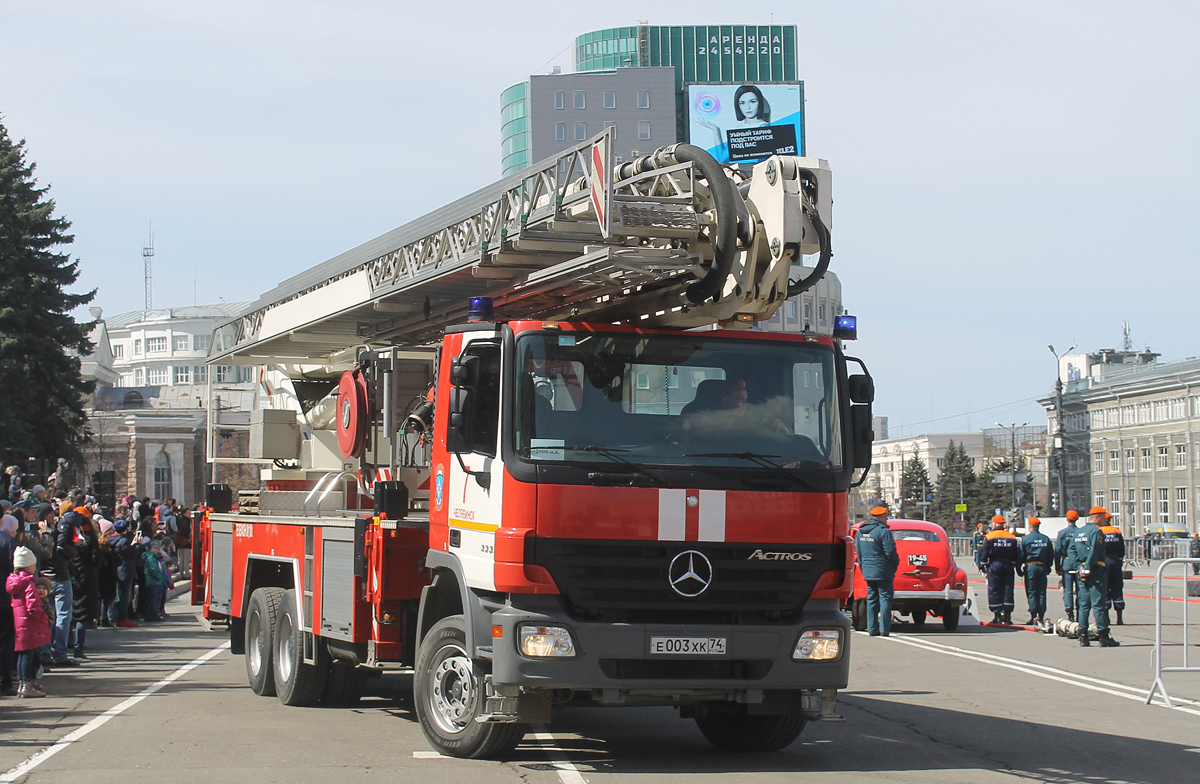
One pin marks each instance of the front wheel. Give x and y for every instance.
(858, 615)
(739, 732)
(918, 617)
(448, 695)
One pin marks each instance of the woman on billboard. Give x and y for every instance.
(750, 108)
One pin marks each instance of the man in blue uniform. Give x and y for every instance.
(1194, 552)
(878, 559)
(1087, 548)
(1064, 564)
(1001, 553)
(977, 541)
(1114, 563)
(1037, 557)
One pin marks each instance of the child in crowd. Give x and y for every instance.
(29, 618)
(156, 581)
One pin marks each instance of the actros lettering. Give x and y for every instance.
(759, 555)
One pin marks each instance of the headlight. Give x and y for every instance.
(818, 645)
(546, 641)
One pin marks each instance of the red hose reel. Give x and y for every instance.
(353, 413)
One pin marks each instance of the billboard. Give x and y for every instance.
(746, 123)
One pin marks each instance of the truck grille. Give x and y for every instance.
(629, 582)
(676, 669)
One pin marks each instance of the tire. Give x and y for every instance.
(260, 639)
(950, 618)
(858, 615)
(918, 617)
(296, 683)
(344, 684)
(448, 695)
(741, 733)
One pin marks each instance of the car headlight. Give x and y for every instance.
(818, 645)
(546, 641)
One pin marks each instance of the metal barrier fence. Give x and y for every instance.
(1158, 686)
(962, 547)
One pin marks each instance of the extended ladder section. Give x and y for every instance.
(676, 240)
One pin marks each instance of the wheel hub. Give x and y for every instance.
(452, 695)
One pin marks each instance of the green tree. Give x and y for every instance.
(42, 411)
(914, 486)
(955, 485)
(991, 495)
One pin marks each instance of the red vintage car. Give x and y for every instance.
(927, 582)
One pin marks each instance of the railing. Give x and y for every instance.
(1158, 686)
(324, 486)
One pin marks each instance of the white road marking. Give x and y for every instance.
(1039, 671)
(78, 734)
(429, 755)
(567, 772)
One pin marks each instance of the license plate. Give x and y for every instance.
(918, 560)
(689, 646)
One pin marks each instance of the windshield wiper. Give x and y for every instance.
(762, 460)
(612, 455)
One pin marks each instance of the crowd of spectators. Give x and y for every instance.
(67, 566)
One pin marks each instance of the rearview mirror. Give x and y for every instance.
(458, 424)
(862, 435)
(861, 388)
(464, 371)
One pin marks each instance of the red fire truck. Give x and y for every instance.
(527, 449)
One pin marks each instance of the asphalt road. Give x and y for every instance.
(978, 705)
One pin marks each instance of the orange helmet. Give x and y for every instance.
(1072, 515)
(879, 510)
(1000, 521)
(1034, 521)
(1100, 510)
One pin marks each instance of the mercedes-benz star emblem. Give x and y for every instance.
(690, 574)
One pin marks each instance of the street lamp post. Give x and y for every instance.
(1059, 442)
(1012, 464)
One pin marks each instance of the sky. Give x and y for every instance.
(1007, 175)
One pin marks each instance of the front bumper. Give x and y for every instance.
(613, 660)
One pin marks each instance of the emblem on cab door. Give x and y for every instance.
(690, 573)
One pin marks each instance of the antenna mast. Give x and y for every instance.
(147, 259)
(1126, 344)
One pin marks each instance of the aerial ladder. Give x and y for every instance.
(528, 448)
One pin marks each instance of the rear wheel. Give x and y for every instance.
(344, 685)
(858, 615)
(260, 638)
(296, 683)
(950, 618)
(448, 695)
(739, 732)
(918, 617)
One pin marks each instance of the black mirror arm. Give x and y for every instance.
(482, 477)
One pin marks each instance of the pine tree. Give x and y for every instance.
(955, 485)
(914, 486)
(42, 410)
(991, 495)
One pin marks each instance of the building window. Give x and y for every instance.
(139, 377)
(1164, 460)
(807, 312)
(183, 375)
(643, 129)
(560, 131)
(610, 99)
(580, 131)
(791, 309)
(155, 344)
(162, 476)
(580, 99)
(1145, 462)
(560, 100)
(643, 99)
(118, 350)
(1097, 462)
(821, 314)
(1181, 455)
(1164, 504)
(1114, 498)
(1181, 506)
(611, 124)
(200, 373)
(200, 343)
(224, 374)
(1147, 506)
(1114, 461)
(1098, 497)
(157, 376)
(182, 343)
(137, 346)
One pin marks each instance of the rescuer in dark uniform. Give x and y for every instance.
(1087, 548)
(977, 541)
(1064, 563)
(878, 559)
(1001, 553)
(1114, 562)
(1037, 557)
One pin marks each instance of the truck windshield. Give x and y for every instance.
(673, 400)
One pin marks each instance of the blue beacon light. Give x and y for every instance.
(479, 309)
(845, 327)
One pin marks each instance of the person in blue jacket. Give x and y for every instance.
(1001, 554)
(1114, 567)
(878, 559)
(1064, 562)
(1087, 548)
(1037, 559)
